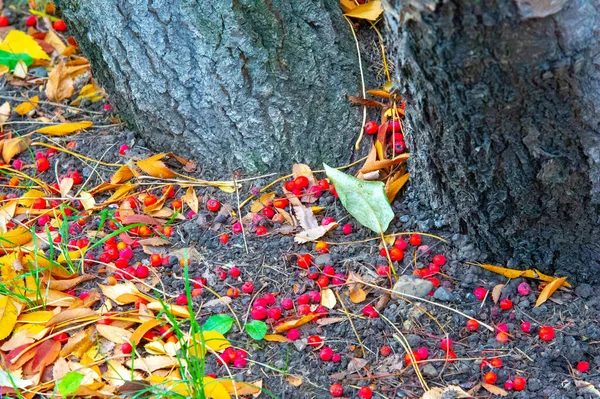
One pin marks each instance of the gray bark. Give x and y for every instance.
(503, 106)
(237, 84)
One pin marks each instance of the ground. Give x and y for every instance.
(270, 261)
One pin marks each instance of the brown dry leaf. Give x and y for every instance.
(304, 216)
(217, 302)
(79, 343)
(496, 292)
(384, 163)
(8, 316)
(275, 338)
(19, 338)
(154, 167)
(13, 147)
(114, 334)
(356, 293)
(66, 184)
(70, 315)
(60, 84)
(293, 380)
(449, 392)
(394, 185)
(63, 285)
(152, 363)
(586, 387)
(123, 174)
(191, 199)
(173, 309)
(4, 113)
(142, 329)
(315, 233)
(328, 298)
(549, 289)
(294, 323)
(55, 41)
(26, 107)
(263, 201)
(330, 320)
(123, 293)
(154, 241)
(242, 388)
(493, 389)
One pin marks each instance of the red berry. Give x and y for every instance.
(415, 240)
(304, 261)
(490, 378)
(141, 272)
(234, 272)
(303, 299)
(371, 127)
(323, 281)
(260, 302)
(156, 260)
(289, 185)
(396, 254)
(508, 385)
(326, 353)
(213, 205)
(526, 327)
(233, 292)
(472, 325)
(329, 271)
(126, 348)
(236, 228)
(31, 20)
(315, 341)
(480, 293)
(370, 312)
(336, 390)
(274, 313)
(293, 334)
(303, 310)
(400, 243)
(423, 353)
(287, 303)
(301, 182)
(546, 333)
(583, 367)
(224, 238)
(383, 270)
(261, 231)
(121, 263)
(336, 358)
(502, 337)
(365, 393)
(446, 344)
(42, 164)
(314, 296)
(439, 260)
(347, 229)
(3, 21)
(281, 203)
(259, 313)
(268, 212)
(519, 383)
(385, 351)
(240, 363)
(248, 287)
(524, 288)
(62, 338)
(506, 304)
(59, 25)
(323, 184)
(181, 300)
(123, 149)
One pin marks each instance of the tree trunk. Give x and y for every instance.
(503, 122)
(238, 84)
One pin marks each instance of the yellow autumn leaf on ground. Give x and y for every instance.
(328, 298)
(176, 310)
(8, 316)
(347, 5)
(64, 128)
(14, 238)
(60, 84)
(213, 389)
(115, 334)
(549, 289)
(72, 255)
(512, 273)
(369, 11)
(276, 338)
(13, 147)
(287, 325)
(19, 42)
(26, 107)
(122, 174)
(55, 41)
(242, 388)
(191, 199)
(154, 167)
(90, 91)
(393, 186)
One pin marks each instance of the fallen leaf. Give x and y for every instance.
(55, 41)
(586, 387)
(494, 390)
(305, 217)
(4, 113)
(276, 338)
(63, 285)
(242, 388)
(65, 186)
(122, 293)
(287, 325)
(45, 354)
(8, 316)
(70, 315)
(90, 91)
(549, 289)
(496, 292)
(315, 233)
(393, 186)
(18, 42)
(26, 107)
(369, 11)
(114, 334)
(191, 199)
(328, 298)
(214, 389)
(330, 320)
(384, 163)
(13, 147)
(64, 128)
(356, 364)
(449, 392)
(379, 93)
(60, 84)
(176, 310)
(122, 174)
(356, 293)
(154, 167)
(142, 329)
(512, 273)
(79, 343)
(13, 380)
(152, 363)
(263, 201)
(293, 380)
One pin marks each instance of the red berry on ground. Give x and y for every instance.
(385, 351)
(323, 281)
(446, 344)
(371, 127)
(123, 149)
(508, 385)
(303, 299)
(62, 338)
(336, 358)
(519, 383)
(502, 337)
(546, 333)
(524, 288)
(336, 390)
(496, 362)
(126, 348)
(480, 293)
(259, 313)
(526, 327)
(31, 20)
(236, 228)
(213, 205)
(293, 334)
(240, 363)
(261, 231)
(268, 212)
(347, 229)
(439, 260)
(141, 272)
(365, 393)
(224, 238)
(304, 310)
(301, 182)
(583, 367)
(415, 240)
(423, 353)
(472, 325)
(490, 378)
(281, 203)
(314, 296)
(3, 21)
(181, 300)
(383, 270)
(233, 292)
(396, 254)
(304, 261)
(408, 358)
(287, 303)
(506, 304)
(400, 243)
(274, 313)
(289, 185)
(234, 272)
(59, 25)
(42, 164)
(248, 287)
(326, 354)
(156, 260)
(315, 341)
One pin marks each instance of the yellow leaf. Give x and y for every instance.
(215, 340)
(27, 106)
(347, 5)
(64, 128)
(60, 84)
(191, 199)
(276, 338)
(30, 196)
(72, 255)
(154, 167)
(90, 91)
(380, 93)
(294, 380)
(142, 329)
(393, 186)
(87, 200)
(287, 325)
(357, 294)
(549, 289)
(39, 317)
(242, 388)
(123, 174)
(494, 390)
(114, 334)
(19, 42)
(328, 298)
(369, 11)
(263, 201)
(123, 293)
(14, 238)
(544, 277)
(161, 201)
(55, 41)
(8, 316)
(176, 310)
(13, 147)
(4, 70)
(512, 273)
(213, 389)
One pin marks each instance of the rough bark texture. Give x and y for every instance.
(242, 84)
(503, 124)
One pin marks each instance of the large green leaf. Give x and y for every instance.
(70, 383)
(256, 329)
(365, 200)
(219, 322)
(11, 59)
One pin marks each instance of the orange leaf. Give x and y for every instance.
(191, 199)
(380, 93)
(60, 84)
(142, 329)
(13, 147)
(294, 323)
(275, 338)
(155, 167)
(385, 163)
(549, 289)
(393, 186)
(122, 175)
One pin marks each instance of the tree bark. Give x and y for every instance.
(238, 84)
(503, 101)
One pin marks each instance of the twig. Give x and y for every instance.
(362, 347)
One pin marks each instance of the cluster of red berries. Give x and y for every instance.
(336, 390)
(394, 129)
(302, 186)
(235, 357)
(264, 307)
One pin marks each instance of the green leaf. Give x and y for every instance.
(70, 383)
(11, 59)
(365, 200)
(256, 329)
(219, 322)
